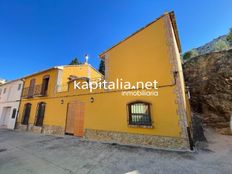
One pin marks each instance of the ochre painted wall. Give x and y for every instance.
(142, 57)
(109, 112)
(55, 112)
(39, 79)
(84, 70)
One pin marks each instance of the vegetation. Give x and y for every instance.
(229, 37)
(75, 61)
(187, 55)
(102, 67)
(190, 54)
(220, 45)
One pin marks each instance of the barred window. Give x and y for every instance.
(14, 113)
(139, 114)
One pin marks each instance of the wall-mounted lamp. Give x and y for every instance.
(91, 99)
(61, 101)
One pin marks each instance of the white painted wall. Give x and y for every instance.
(10, 94)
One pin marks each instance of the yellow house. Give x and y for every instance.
(38, 108)
(161, 119)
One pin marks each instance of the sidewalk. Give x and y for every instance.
(24, 153)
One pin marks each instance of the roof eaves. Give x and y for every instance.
(173, 20)
(42, 71)
(174, 25)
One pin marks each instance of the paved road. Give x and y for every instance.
(24, 153)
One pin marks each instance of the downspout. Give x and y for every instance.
(231, 123)
(20, 101)
(173, 84)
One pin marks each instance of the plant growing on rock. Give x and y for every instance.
(229, 37)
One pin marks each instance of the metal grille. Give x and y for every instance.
(139, 114)
(38, 90)
(34, 91)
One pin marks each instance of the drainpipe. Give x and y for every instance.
(231, 123)
(20, 101)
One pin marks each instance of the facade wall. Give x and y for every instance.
(9, 100)
(150, 54)
(9, 122)
(39, 79)
(83, 70)
(142, 57)
(55, 110)
(104, 115)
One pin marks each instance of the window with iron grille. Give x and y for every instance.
(14, 113)
(40, 114)
(139, 114)
(26, 113)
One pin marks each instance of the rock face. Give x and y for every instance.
(211, 46)
(209, 78)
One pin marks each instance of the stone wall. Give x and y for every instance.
(151, 141)
(56, 130)
(21, 127)
(209, 78)
(46, 129)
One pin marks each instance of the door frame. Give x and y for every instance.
(6, 115)
(67, 119)
(73, 134)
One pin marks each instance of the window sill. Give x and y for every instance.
(42, 95)
(140, 126)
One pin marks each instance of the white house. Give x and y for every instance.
(10, 94)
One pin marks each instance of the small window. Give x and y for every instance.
(19, 86)
(0, 91)
(139, 114)
(4, 91)
(14, 113)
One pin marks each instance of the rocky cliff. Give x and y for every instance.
(209, 78)
(214, 45)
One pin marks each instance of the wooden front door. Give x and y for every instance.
(75, 119)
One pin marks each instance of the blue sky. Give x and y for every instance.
(37, 34)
